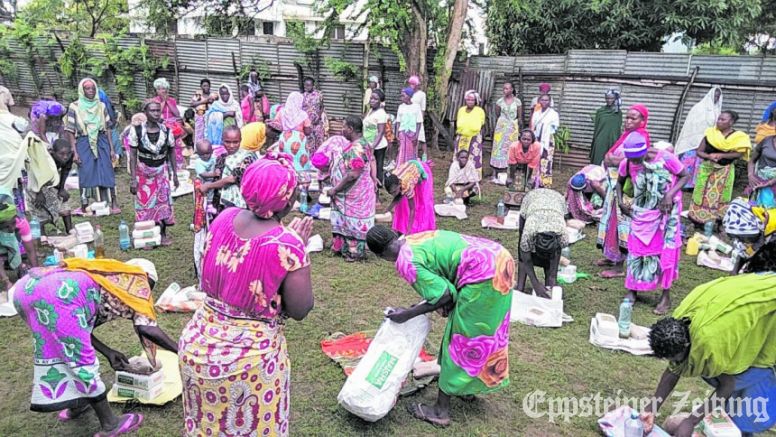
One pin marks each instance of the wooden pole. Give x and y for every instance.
(680, 106)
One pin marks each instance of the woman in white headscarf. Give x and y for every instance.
(701, 117)
(224, 112)
(12, 154)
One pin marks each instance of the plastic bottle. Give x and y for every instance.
(303, 200)
(124, 242)
(708, 229)
(501, 209)
(35, 228)
(633, 426)
(624, 321)
(566, 252)
(99, 242)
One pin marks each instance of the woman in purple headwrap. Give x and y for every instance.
(655, 238)
(233, 356)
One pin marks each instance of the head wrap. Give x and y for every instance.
(544, 87)
(6, 99)
(7, 204)
(138, 119)
(642, 130)
(614, 92)
(292, 114)
(91, 114)
(414, 80)
(739, 220)
(49, 108)
(474, 93)
(147, 267)
(374, 79)
(320, 160)
(21, 125)
(578, 182)
(641, 109)
(161, 84)
(331, 148)
(408, 91)
(268, 184)
(635, 145)
(253, 136)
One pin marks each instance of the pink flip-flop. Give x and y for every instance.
(131, 423)
(66, 414)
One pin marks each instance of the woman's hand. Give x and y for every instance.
(445, 311)
(399, 315)
(64, 195)
(303, 227)
(626, 209)
(648, 419)
(117, 360)
(40, 200)
(133, 187)
(666, 204)
(685, 428)
(175, 181)
(76, 158)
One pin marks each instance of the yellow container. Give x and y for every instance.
(692, 247)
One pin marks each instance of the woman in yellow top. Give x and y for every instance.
(719, 149)
(469, 124)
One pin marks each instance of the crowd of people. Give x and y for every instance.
(255, 162)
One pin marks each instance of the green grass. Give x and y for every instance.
(351, 297)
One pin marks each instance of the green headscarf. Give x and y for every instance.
(91, 114)
(9, 245)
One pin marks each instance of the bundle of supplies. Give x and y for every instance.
(99, 209)
(185, 184)
(84, 232)
(509, 222)
(533, 310)
(605, 333)
(146, 234)
(140, 381)
(384, 218)
(457, 210)
(716, 424)
(180, 300)
(370, 392)
(63, 243)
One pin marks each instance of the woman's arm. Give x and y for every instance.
(158, 337)
(172, 160)
(701, 153)
(71, 138)
(498, 111)
(380, 135)
(598, 188)
(667, 203)
(393, 204)
(664, 388)
(297, 293)
(612, 161)
(351, 177)
(527, 267)
(32, 252)
(717, 399)
(618, 189)
(133, 170)
(117, 360)
(217, 185)
(751, 166)
(402, 315)
(520, 114)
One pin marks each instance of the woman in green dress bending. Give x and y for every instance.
(468, 280)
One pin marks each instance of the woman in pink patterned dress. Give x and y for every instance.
(313, 106)
(233, 357)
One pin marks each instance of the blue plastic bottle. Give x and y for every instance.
(124, 242)
(35, 228)
(633, 426)
(303, 201)
(624, 321)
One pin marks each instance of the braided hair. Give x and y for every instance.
(764, 260)
(379, 238)
(669, 337)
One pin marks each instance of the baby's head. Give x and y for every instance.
(204, 150)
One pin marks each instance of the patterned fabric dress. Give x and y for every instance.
(585, 204)
(233, 357)
(469, 126)
(154, 197)
(408, 117)
(655, 239)
(507, 132)
(295, 143)
(479, 275)
(352, 211)
(62, 308)
(174, 124)
(313, 106)
(234, 165)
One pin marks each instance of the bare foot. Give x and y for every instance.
(664, 305)
(429, 414)
(610, 274)
(604, 263)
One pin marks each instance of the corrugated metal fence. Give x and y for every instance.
(580, 78)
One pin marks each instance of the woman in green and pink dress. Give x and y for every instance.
(468, 280)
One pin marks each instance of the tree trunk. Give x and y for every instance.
(415, 46)
(454, 34)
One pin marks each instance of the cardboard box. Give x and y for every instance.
(134, 380)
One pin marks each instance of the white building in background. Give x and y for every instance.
(271, 17)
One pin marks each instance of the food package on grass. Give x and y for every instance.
(84, 232)
(144, 225)
(533, 310)
(142, 243)
(605, 333)
(146, 233)
(136, 392)
(384, 218)
(576, 224)
(314, 244)
(96, 206)
(171, 388)
(148, 383)
(175, 299)
(370, 392)
(613, 424)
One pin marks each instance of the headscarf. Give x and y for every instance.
(641, 109)
(763, 131)
(138, 119)
(331, 148)
(292, 114)
(49, 108)
(408, 91)
(253, 87)
(374, 79)
(8, 211)
(268, 185)
(91, 114)
(702, 116)
(414, 80)
(738, 141)
(147, 266)
(614, 92)
(578, 182)
(6, 99)
(739, 220)
(214, 117)
(474, 93)
(161, 84)
(545, 88)
(635, 145)
(253, 136)
(126, 282)
(320, 160)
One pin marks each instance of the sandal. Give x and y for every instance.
(416, 409)
(166, 242)
(115, 211)
(70, 414)
(131, 422)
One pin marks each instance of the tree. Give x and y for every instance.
(221, 18)
(84, 17)
(555, 26)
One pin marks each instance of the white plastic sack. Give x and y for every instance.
(530, 309)
(637, 344)
(370, 392)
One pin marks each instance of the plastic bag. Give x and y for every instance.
(530, 309)
(370, 392)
